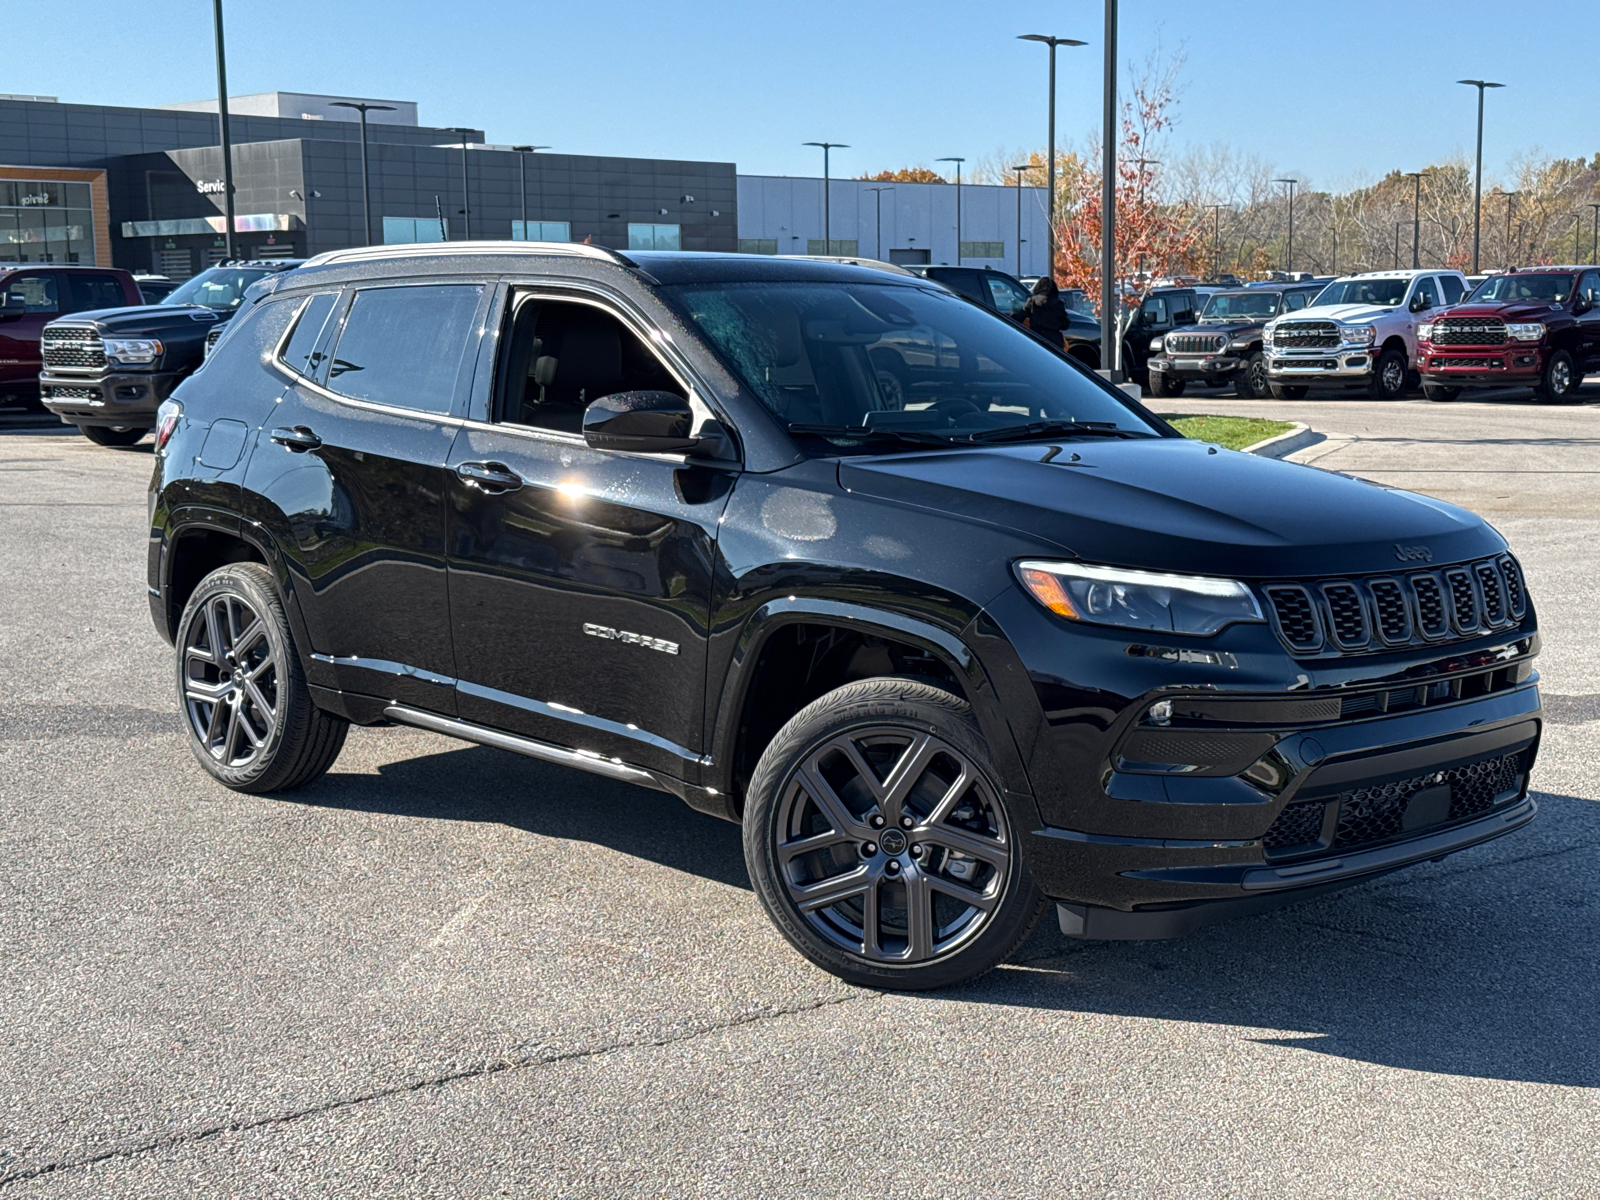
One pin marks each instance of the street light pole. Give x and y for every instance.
(1288, 265)
(877, 237)
(827, 231)
(1416, 216)
(1594, 251)
(1477, 186)
(1108, 196)
(366, 185)
(466, 196)
(1019, 171)
(1050, 170)
(1217, 211)
(522, 170)
(227, 146)
(958, 162)
(1398, 226)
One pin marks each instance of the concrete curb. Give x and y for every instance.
(1285, 444)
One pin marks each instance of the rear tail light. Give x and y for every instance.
(167, 418)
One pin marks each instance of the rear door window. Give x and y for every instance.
(404, 346)
(94, 291)
(1452, 288)
(1182, 304)
(37, 293)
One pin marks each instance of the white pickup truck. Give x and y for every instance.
(1360, 331)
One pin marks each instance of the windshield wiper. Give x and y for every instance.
(863, 433)
(1043, 429)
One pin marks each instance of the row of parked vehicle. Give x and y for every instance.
(1383, 331)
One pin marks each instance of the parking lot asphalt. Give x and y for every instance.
(446, 970)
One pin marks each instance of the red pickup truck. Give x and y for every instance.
(33, 294)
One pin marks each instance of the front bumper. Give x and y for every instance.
(1338, 364)
(123, 399)
(1512, 365)
(1217, 368)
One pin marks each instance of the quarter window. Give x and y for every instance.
(403, 346)
(300, 354)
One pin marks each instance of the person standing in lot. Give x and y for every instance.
(1044, 313)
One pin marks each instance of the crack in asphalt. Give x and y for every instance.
(523, 1062)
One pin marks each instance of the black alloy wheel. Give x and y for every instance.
(1439, 391)
(1288, 391)
(1558, 381)
(1162, 384)
(107, 435)
(1251, 381)
(247, 709)
(880, 842)
(1388, 376)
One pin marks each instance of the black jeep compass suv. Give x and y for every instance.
(1005, 641)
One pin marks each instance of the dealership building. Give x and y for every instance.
(142, 188)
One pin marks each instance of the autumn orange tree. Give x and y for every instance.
(906, 175)
(1152, 234)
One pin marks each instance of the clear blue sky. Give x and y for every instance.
(1332, 92)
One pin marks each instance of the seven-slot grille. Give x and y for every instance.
(1366, 616)
(1471, 364)
(72, 393)
(1195, 343)
(1305, 335)
(1469, 331)
(72, 347)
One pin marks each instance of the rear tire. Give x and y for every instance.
(246, 707)
(1251, 381)
(1558, 381)
(104, 435)
(1162, 384)
(1288, 391)
(1438, 391)
(902, 887)
(1388, 380)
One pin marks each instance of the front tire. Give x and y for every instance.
(1439, 391)
(247, 709)
(1388, 376)
(1558, 381)
(1288, 391)
(880, 843)
(1251, 381)
(104, 435)
(1162, 384)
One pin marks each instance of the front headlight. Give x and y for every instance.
(1156, 344)
(1266, 334)
(1191, 604)
(1425, 332)
(132, 350)
(1358, 335)
(1531, 332)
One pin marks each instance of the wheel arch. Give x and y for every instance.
(1395, 342)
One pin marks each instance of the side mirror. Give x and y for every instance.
(1581, 304)
(644, 422)
(12, 306)
(1419, 302)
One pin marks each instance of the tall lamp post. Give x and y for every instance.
(827, 231)
(877, 237)
(1217, 210)
(1288, 264)
(466, 196)
(1477, 186)
(1511, 203)
(1398, 226)
(222, 120)
(1019, 171)
(522, 171)
(958, 162)
(366, 185)
(1594, 251)
(1109, 343)
(1050, 173)
(1416, 215)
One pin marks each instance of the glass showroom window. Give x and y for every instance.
(655, 237)
(45, 221)
(983, 249)
(542, 231)
(398, 231)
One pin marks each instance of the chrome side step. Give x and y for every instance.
(611, 768)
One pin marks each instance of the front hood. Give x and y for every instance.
(1511, 311)
(1179, 505)
(1348, 314)
(149, 319)
(1230, 328)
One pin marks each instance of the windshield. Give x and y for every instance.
(1235, 306)
(1384, 292)
(894, 359)
(221, 288)
(1552, 289)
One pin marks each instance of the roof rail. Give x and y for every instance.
(436, 249)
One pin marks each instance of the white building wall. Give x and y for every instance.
(920, 216)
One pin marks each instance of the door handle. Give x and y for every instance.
(489, 477)
(298, 438)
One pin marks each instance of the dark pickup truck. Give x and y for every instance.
(1224, 346)
(108, 370)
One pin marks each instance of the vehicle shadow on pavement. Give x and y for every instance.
(1486, 965)
(478, 783)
